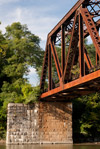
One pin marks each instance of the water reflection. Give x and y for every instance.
(86, 146)
(2, 147)
(39, 146)
(49, 146)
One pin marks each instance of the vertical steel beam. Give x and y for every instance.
(97, 59)
(97, 56)
(63, 48)
(49, 68)
(81, 47)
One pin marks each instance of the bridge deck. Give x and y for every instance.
(82, 86)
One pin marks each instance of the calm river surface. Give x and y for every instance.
(50, 147)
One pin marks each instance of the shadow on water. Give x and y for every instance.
(86, 146)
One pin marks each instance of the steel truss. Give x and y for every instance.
(81, 21)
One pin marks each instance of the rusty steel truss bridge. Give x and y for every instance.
(68, 70)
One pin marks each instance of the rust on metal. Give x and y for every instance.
(76, 85)
(76, 75)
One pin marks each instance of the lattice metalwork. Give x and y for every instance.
(82, 21)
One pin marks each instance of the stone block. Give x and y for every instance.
(46, 122)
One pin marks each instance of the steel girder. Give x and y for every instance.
(81, 21)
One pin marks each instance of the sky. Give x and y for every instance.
(39, 15)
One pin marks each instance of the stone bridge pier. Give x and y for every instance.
(42, 122)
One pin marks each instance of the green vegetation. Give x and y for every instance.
(19, 49)
(86, 117)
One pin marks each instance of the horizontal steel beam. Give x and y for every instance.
(73, 84)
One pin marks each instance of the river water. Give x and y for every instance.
(58, 146)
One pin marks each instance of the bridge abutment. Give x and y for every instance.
(43, 122)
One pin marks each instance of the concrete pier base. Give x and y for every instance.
(43, 122)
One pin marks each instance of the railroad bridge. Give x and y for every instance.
(67, 39)
(68, 72)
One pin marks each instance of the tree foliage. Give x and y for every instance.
(19, 49)
(86, 117)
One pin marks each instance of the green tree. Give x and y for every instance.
(86, 117)
(19, 49)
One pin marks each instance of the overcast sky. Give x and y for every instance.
(39, 15)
